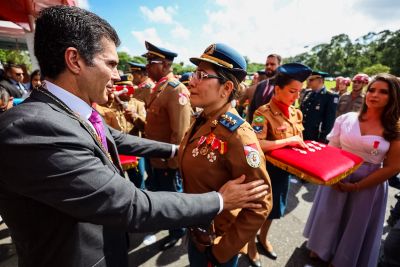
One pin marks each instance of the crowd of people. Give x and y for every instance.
(200, 141)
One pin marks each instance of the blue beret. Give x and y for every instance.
(225, 57)
(319, 73)
(297, 71)
(137, 66)
(185, 78)
(159, 52)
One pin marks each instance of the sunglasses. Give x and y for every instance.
(19, 74)
(200, 75)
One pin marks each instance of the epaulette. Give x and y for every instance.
(230, 121)
(174, 83)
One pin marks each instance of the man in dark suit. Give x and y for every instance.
(13, 81)
(265, 89)
(62, 193)
(319, 108)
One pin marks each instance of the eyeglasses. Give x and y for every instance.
(200, 75)
(154, 62)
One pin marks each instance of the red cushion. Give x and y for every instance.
(326, 165)
(128, 162)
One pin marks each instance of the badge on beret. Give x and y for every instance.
(183, 99)
(252, 155)
(259, 119)
(258, 129)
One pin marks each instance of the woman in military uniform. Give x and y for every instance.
(220, 145)
(278, 124)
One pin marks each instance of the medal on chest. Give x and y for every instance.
(375, 150)
(210, 146)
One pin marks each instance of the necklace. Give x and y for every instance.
(94, 135)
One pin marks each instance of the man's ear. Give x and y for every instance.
(73, 60)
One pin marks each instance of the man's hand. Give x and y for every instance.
(130, 115)
(238, 195)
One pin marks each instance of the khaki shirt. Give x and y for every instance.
(205, 171)
(270, 124)
(143, 91)
(168, 117)
(114, 116)
(348, 104)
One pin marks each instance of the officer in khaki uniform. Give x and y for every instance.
(353, 100)
(279, 124)
(168, 118)
(220, 145)
(127, 115)
(142, 82)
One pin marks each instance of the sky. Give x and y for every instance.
(255, 28)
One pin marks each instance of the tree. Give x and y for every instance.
(124, 58)
(375, 69)
(16, 57)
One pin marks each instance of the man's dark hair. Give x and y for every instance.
(60, 27)
(278, 57)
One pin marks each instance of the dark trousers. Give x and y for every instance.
(136, 175)
(199, 259)
(166, 180)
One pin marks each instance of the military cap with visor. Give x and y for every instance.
(225, 57)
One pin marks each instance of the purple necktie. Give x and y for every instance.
(97, 123)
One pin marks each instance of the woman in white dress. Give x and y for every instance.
(346, 221)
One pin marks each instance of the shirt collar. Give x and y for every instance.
(72, 101)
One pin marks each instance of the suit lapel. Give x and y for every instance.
(56, 104)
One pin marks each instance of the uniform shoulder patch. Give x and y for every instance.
(230, 121)
(173, 83)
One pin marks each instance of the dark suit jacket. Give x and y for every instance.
(63, 200)
(258, 98)
(11, 88)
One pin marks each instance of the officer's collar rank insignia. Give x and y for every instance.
(231, 121)
(252, 155)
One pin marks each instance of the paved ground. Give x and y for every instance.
(286, 237)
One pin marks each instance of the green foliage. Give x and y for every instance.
(180, 68)
(375, 69)
(342, 57)
(16, 57)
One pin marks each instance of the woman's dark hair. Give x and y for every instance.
(390, 117)
(282, 80)
(36, 73)
(60, 27)
(226, 75)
